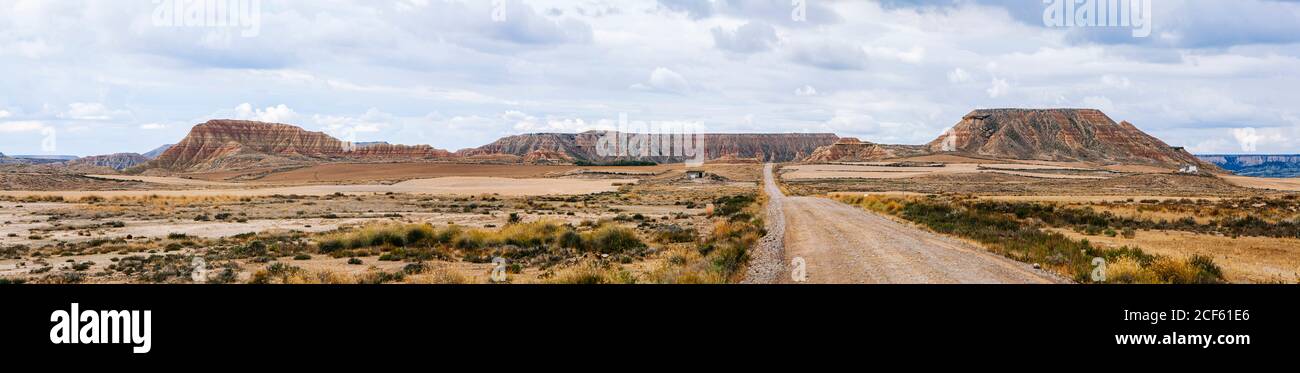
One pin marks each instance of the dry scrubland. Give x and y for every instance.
(444, 223)
(1152, 226)
(655, 227)
(1247, 241)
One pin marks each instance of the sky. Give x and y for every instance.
(98, 77)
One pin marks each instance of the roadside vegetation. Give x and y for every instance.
(1016, 231)
(737, 225)
(1228, 218)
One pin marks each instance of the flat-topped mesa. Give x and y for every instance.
(584, 146)
(1085, 135)
(225, 144)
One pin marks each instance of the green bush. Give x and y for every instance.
(612, 239)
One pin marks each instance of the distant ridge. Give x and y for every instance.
(153, 154)
(766, 147)
(1257, 165)
(1085, 135)
(119, 161)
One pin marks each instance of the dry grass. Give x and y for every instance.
(1244, 259)
(592, 273)
(438, 275)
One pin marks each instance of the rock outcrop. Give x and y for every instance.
(119, 161)
(153, 154)
(603, 146)
(234, 144)
(1085, 135)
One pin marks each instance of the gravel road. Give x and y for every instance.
(842, 244)
(767, 261)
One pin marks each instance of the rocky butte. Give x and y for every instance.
(1069, 135)
(232, 144)
(850, 149)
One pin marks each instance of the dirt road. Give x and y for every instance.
(842, 244)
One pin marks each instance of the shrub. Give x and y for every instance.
(419, 233)
(330, 245)
(592, 274)
(674, 234)
(1128, 271)
(612, 239)
(354, 261)
(1207, 270)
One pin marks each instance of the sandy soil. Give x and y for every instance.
(359, 172)
(371, 172)
(439, 186)
(1048, 176)
(165, 180)
(1025, 167)
(869, 171)
(1289, 185)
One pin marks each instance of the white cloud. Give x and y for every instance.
(569, 64)
(1116, 81)
(153, 126)
(958, 76)
(665, 80)
(31, 49)
(914, 55)
(830, 55)
(805, 91)
(91, 111)
(22, 126)
(5, 114)
(751, 37)
(1102, 103)
(998, 88)
(349, 128)
(273, 114)
(1247, 137)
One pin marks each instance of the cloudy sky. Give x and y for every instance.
(94, 77)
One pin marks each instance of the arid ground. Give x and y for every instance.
(863, 222)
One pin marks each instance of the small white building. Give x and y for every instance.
(1190, 169)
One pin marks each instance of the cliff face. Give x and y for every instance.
(1257, 165)
(587, 147)
(229, 144)
(1060, 135)
(119, 161)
